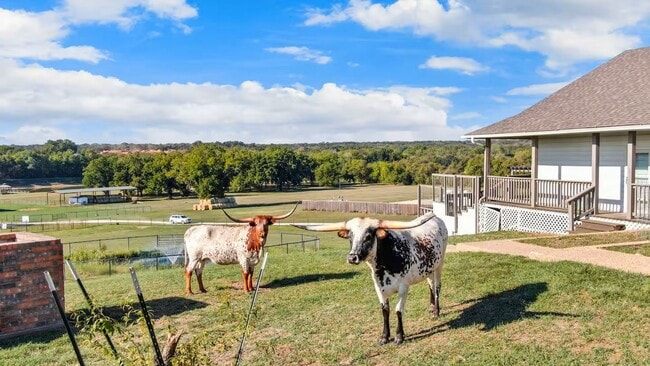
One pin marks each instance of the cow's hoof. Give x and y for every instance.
(204, 290)
(399, 340)
(434, 311)
(382, 341)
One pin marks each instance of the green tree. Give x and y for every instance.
(283, 166)
(130, 170)
(160, 175)
(203, 168)
(100, 171)
(328, 169)
(244, 166)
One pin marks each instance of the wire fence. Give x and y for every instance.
(160, 251)
(86, 215)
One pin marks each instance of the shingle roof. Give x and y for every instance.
(614, 95)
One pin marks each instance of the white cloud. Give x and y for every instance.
(126, 12)
(25, 135)
(50, 101)
(564, 31)
(40, 35)
(464, 65)
(537, 89)
(302, 54)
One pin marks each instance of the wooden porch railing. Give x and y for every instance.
(465, 189)
(641, 201)
(508, 190)
(581, 205)
(548, 193)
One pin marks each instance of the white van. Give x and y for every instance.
(179, 219)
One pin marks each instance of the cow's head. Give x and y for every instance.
(363, 233)
(260, 224)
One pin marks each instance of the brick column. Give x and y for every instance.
(26, 304)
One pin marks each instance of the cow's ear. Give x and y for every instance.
(252, 223)
(381, 233)
(343, 234)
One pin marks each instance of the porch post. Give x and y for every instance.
(533, 171)
(631, 156)
(486, 165)
(595, 167)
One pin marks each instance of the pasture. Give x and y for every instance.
(315, 309)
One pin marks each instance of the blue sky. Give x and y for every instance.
(162, 71)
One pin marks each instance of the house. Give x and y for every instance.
(590, 146)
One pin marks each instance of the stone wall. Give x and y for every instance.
(26, 303)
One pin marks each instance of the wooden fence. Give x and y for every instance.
(382, 208)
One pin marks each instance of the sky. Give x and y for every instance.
(293, 71)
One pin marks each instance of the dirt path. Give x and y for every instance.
(634, 263)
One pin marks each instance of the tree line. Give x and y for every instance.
(212, 169)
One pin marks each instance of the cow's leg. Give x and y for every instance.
(250, 279)
(435, 283)
(399, 309)
(244, 280)
(199, 276)
(385, 311)
(188, 282)
(191, 265)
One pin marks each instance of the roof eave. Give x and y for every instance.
(515, 135)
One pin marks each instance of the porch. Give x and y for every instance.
(562, 204)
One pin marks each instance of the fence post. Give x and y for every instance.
(110, 270)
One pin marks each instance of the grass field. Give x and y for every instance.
(314, 309)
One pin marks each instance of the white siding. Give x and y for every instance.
(567, 158)
(466, 220)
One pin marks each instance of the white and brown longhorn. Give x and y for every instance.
(399, 254)
(228, 244)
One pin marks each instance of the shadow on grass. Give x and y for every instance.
(495, 310)
(157, 307)
(45, 336)
(299, 280)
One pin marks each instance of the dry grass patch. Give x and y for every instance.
(568, 241)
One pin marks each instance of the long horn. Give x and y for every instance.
(276, 218)
(242, 221)
(399, 225)
(327, 227)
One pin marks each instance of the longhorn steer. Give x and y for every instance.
(227, 245)
(399, 254)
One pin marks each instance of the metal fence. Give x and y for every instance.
(162, 251)
(89, 214)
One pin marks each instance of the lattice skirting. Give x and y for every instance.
(629, 225)
(494, 218)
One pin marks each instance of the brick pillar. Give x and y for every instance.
(26, 303)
